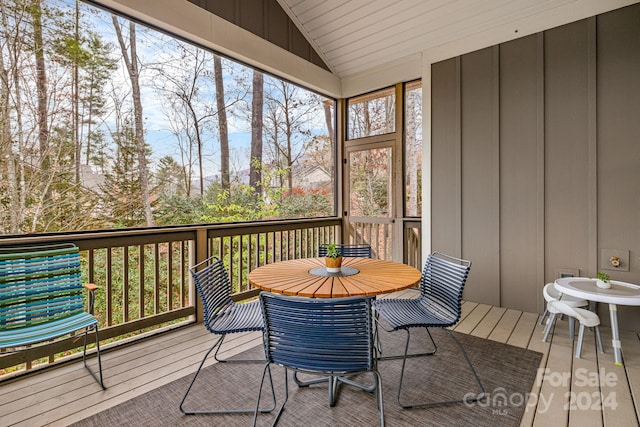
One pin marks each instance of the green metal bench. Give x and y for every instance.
(41, 299)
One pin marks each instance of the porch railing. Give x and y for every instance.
(144, 279)
(380, 233)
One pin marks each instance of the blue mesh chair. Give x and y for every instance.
(41, 299)
(438, 306)
(222, 316)
(319, 336)
(361, 250)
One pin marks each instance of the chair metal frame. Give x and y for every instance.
(222, 316)
(361, 250)
(41, 299)
(332, 336)
(438, 305)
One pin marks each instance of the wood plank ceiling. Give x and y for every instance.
(353, 36)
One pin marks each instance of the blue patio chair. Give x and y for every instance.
(438, 306)
(222, 316)
(41, 299)
(361, 250)
(319, 336)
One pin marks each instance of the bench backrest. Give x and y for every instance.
(39, 284)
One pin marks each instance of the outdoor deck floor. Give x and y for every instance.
(590, 391)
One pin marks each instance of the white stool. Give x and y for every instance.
(550, 293)
(585, 317)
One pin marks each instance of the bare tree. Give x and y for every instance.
(290, 115)
(222, 123)
(257, 102)
(187, 77)
(41, 81)
(76, 99)
(131, 62)
(187, 114)
(328, 106)
(13, 144)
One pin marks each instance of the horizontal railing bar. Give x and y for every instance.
(370, 220)
(263, 227)
(145, 322)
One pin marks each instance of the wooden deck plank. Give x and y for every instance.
(505, 326)
(138, 357)
(74, 371)
(554, 393)
(114, 363)
(535, 344)
(141, 372)
(157, 378)
(467, 307)
(471, 320)
(584, 398)
(524, 330)
(631, 356)
(489, 322)
(618, 408)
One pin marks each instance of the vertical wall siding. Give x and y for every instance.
(536, 158)
(480, 173)
(520, 195)
(566, 149)
(618, 135)
(446, 197)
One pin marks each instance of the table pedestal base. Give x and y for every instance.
(330, 382)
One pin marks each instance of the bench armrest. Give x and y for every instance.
(91, 288)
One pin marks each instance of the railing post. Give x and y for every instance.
(199, 253)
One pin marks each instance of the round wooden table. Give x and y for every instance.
(307, 277)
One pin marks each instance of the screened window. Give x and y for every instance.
(372, 114)
(413, 148)
(108, 123)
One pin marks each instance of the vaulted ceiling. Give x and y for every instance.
(353, 36)
(344, 48)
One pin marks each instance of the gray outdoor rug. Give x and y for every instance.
(506, 372)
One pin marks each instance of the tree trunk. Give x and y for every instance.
(326, 105)
(15, 176)
(257, 102)
(134, 76)
(76, 98)
(7, 171)
(41, 83)
(222, 123)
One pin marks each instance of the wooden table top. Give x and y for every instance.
(374, 277)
